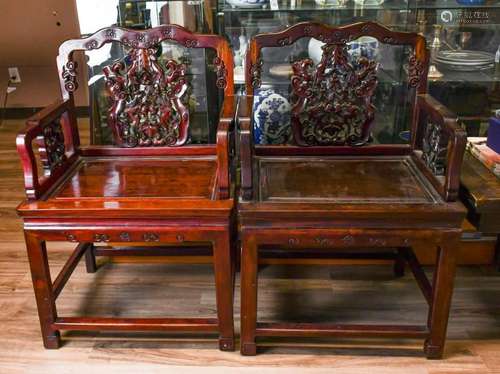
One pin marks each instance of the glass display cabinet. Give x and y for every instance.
(464, 38)
(193, 15)
(463, 35)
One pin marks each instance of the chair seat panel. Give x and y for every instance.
(122, 177)
(344, 180)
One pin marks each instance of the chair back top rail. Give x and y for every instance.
(335, 35)
(145, 39)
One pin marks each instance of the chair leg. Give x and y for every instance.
(497, 253)
(399, 265)
(248, 274)
(224, 283)
(444, 275)
(90, 262)
(42, 285)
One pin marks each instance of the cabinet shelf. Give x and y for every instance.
(388, 5)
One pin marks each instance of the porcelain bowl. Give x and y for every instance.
(365, 46)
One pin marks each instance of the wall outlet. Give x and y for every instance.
(14, 75)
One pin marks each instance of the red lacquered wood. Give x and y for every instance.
(246, 145)
(44, 294)
(187, 150)
(369, 150)
(226, 121)
(321, 330)
(136, 324)
(36, 185)
(331, 34)
(144, 39)
(153, 251)
(90, 262)
(345, 197)
(179, 196)
(456, 144)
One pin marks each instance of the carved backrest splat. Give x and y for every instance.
(148, 98)
(332, 102)
(148, 101)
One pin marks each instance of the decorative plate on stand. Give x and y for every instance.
(247, 3)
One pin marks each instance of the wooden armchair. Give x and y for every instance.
(332, 188)
(151, 187)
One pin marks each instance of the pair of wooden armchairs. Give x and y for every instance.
(330, 188)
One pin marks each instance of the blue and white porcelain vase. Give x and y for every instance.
(271, 119)
(365, 46)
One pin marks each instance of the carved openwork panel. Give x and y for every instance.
(148, 100)
(332, 101)
(53, 143)
(434, 149)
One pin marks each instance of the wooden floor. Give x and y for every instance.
(335, 293)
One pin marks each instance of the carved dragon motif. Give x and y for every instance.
(332, 102)
(148, 100)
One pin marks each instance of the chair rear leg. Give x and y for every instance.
(224, 284)
(399, 264)
(90, 262)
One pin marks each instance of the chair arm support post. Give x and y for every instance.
(246, 145)
(28, 162)
(457, 139)
(224, 129)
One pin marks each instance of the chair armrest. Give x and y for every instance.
(443, 120)
(224, 145)
(246, 145)
(55, 131)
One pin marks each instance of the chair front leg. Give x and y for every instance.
(442, 292)
(497, 253)
(248, 273)
(224, 283)
(42, 285)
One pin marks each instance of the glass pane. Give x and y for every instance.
(203, 107)
(392, 97)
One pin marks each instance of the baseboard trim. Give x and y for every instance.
(22, 113)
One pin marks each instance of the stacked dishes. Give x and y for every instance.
(464, 60)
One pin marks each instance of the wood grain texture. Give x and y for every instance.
(56, 207)
(356, 200)
(188, 177)
(473, 333)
